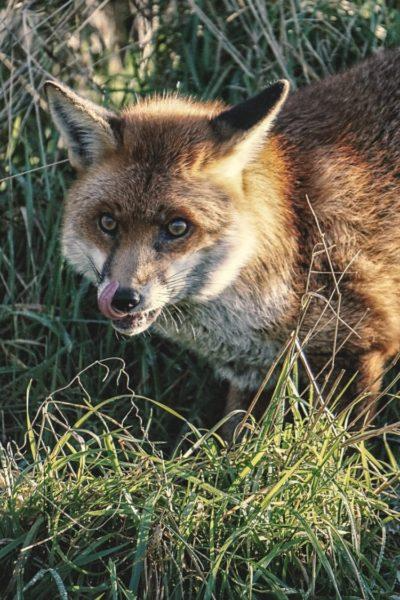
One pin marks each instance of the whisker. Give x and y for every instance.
(172, 318)
(91, 262)
(186, 269)
(179, 318)
(179, 310)
(95, 269)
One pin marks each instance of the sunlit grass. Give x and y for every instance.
(295, 507)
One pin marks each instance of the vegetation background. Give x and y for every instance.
(112, 486)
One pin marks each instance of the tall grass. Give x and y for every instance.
(108, 495)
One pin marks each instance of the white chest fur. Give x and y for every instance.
(228, 334)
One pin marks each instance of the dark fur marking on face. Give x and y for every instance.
(107, 263)
(201, 275)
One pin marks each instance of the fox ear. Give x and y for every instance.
(241, 130)
(88, 130)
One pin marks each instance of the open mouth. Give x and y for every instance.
(129, 323)
(136, 322)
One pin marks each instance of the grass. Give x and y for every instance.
(93, 510)
(108, 495)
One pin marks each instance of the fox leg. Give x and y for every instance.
(238, 399)
(235, 400)
(371, 368)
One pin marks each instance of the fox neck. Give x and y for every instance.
(267, 281)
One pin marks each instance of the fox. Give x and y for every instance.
(211, 223)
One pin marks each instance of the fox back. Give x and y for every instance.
(214, 224)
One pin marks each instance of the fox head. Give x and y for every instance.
(158, 212)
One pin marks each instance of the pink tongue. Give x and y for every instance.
(104, 301)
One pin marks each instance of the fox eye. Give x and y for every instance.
(108, 224)
(177, 227)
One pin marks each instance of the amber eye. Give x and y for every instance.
(177, 227)
(108, 224)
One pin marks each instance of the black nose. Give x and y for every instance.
(126, 299)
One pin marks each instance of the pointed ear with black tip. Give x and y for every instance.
(240, 131)
(89, 131)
